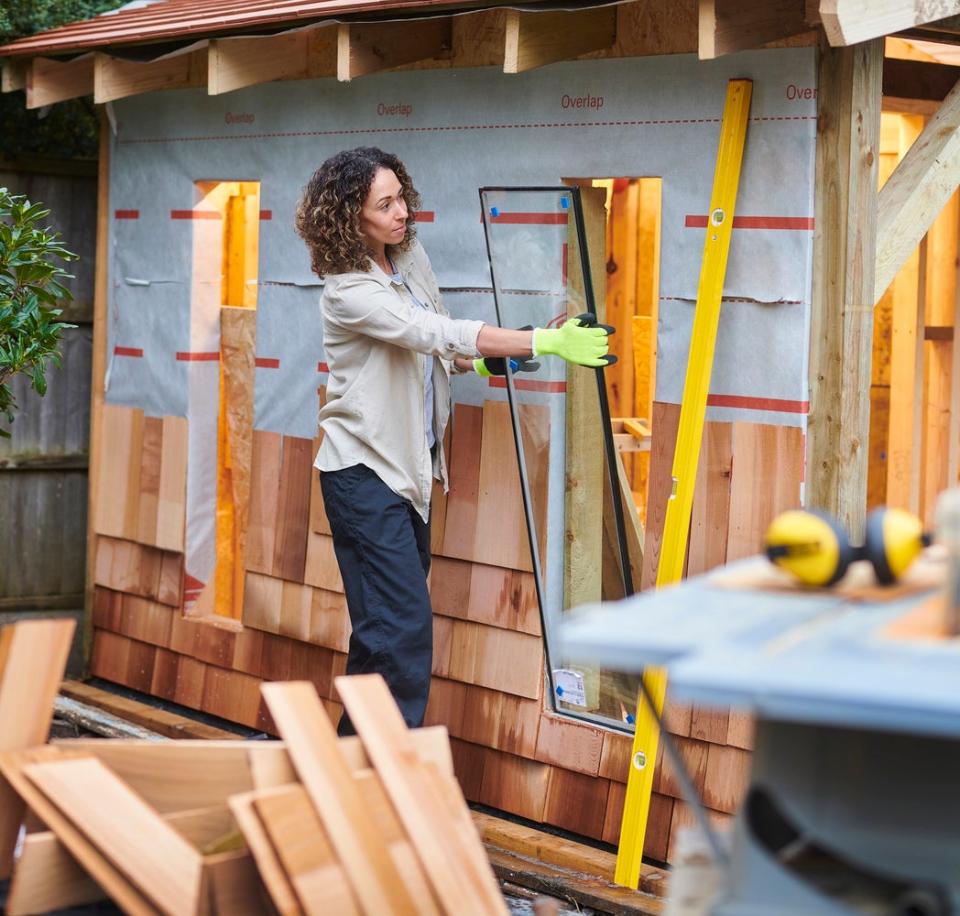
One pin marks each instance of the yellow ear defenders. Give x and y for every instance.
(813, 547)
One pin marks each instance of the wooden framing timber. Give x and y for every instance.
(727, 26)
(917, 191)
(116, 79)
(14, 75)
(50, 81)
(843, 280)
(913, 81)
(848, 22)
(233, 63)
(97, 377)
(368, 47)
(535, 39)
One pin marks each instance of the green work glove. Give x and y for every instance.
(578, 340)
(496, 365)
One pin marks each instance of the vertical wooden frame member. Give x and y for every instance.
(844, 247)
(99, 361)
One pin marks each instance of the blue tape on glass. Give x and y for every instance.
(565, 202)
(559, 691)
(494, 212)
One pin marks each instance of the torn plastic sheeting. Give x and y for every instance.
(137, 281)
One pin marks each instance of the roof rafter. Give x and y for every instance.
(848, 22)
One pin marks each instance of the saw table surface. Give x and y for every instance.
(805, 656)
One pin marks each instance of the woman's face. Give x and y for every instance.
(383, 216)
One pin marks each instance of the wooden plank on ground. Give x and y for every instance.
(312, 745)
(33, 655)
(150, 853)
(156, 719)
(453, 861)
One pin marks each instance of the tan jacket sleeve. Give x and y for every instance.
(363, 306)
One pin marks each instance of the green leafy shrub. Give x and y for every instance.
(30, 289)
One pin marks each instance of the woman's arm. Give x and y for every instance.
(493, 341)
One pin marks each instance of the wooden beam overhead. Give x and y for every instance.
(917, 191)
(233, 63)
(848, 153)
(727, 26)
(848, 22)
(116, 79)
(50, 81)
(536, 39)
(368, 47)
(14, 74)
(918, 80)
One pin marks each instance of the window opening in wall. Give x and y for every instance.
(236, 205)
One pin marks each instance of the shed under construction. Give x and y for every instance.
(836, 381)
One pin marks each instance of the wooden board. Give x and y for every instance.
(48, 878)
(512, 783)
(453, 861)
(293, 509)
(33, 655)
(665, 422)
(161, 721)
(312, 745)
(499, 659)
(304, 852)
(265, 464)
(460, 526)
(97, 865)
(271, 869)
(150, 853)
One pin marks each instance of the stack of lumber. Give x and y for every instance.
(312, 824)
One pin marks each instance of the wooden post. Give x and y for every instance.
(586, 470)
(99, 363)
(843, 280)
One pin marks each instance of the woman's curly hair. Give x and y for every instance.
(328, 215)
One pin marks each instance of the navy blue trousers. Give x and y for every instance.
(383, 550)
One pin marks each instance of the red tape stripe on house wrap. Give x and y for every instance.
(805, 223)
(198, 357)
(779, 405)
(128, 351)
(195, 214)
(266, 362)
(126, 214)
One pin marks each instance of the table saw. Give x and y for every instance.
(854, 798)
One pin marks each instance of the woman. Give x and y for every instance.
(390, 348)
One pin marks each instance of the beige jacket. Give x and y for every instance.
(375, 337)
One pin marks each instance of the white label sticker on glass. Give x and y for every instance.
(569, 686)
